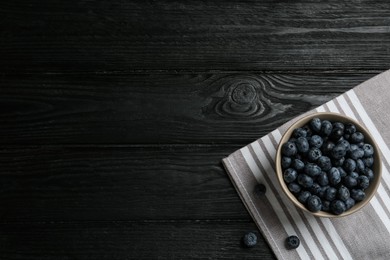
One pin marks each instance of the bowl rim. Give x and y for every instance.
(332, 117)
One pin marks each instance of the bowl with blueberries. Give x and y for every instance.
(328, 165)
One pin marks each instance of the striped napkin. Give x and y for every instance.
(363, 235)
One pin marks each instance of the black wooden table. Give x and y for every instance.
(115, 115)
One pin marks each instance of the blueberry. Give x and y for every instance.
(316, 141)
(305, 180)
(292, 242)
(338, 125)
(260, 190)
(312, 170)
(298, 164)
(363, 182)
(349, 165)
(325, 205)
(249, 239)
(294, 187)
(302, 145)
(338, 207)
(360, 144)
(328, 146)
(354, 175)
(368, 161)
(299, 132)
(368, 150)
(314, 154)
(314, 203)
(322, 179)
(353, 147)
(349, 203)
(350, 128)
(336, 134)
(286, 162)
(330, 194)
(303, 196)
(289, 149)
(350, 181)
(338, 162)
(334, 176)
(290, 175)
(358, 194)
(360, 165)
(315, 124)
(345, 143)
(324, 163)
(369, 173)
(326, 128)
(322, 191)
(338, 152)
(315, 189)
(308, 130)
(357, 154)
(357, 137)
(342, 172)
(343, 193)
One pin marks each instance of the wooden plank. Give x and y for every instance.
(84, 183)
(123, 240)
(159, 108)
(64, 36)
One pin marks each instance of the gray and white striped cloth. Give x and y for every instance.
(363, 235)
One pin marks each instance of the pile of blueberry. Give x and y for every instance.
(327, 165)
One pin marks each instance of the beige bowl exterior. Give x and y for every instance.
(333, 117)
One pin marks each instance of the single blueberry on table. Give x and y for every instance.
(363, 182)
(299, 132)
(324, 163)
(349, 165)
(349, 203)
(338, 152)
(330, 194)
(322, 179)
(292, 242)
(350, 181)
(286, 162)
(298, 164)
(368, 150)
(314, 203)
(326, 128)
(338, 125)
(302, 145)
(334, 176)
(368, 161)
(294, 187)
(338, 207)
(312, 169)
(249, 239)
(290, 175)
(343, 193)
(289, 149)
(357, 137)
(305, 181)
(316, 141)
(315, 124)
(360, 165)
(303, 196)
(358, 194)
(260, 190)
(314, 154)
(350, 128)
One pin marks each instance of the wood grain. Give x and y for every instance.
(90, 183)
(127, 240)
(62, 36)
(158, 108)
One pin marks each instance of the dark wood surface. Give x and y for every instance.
(115, 115)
